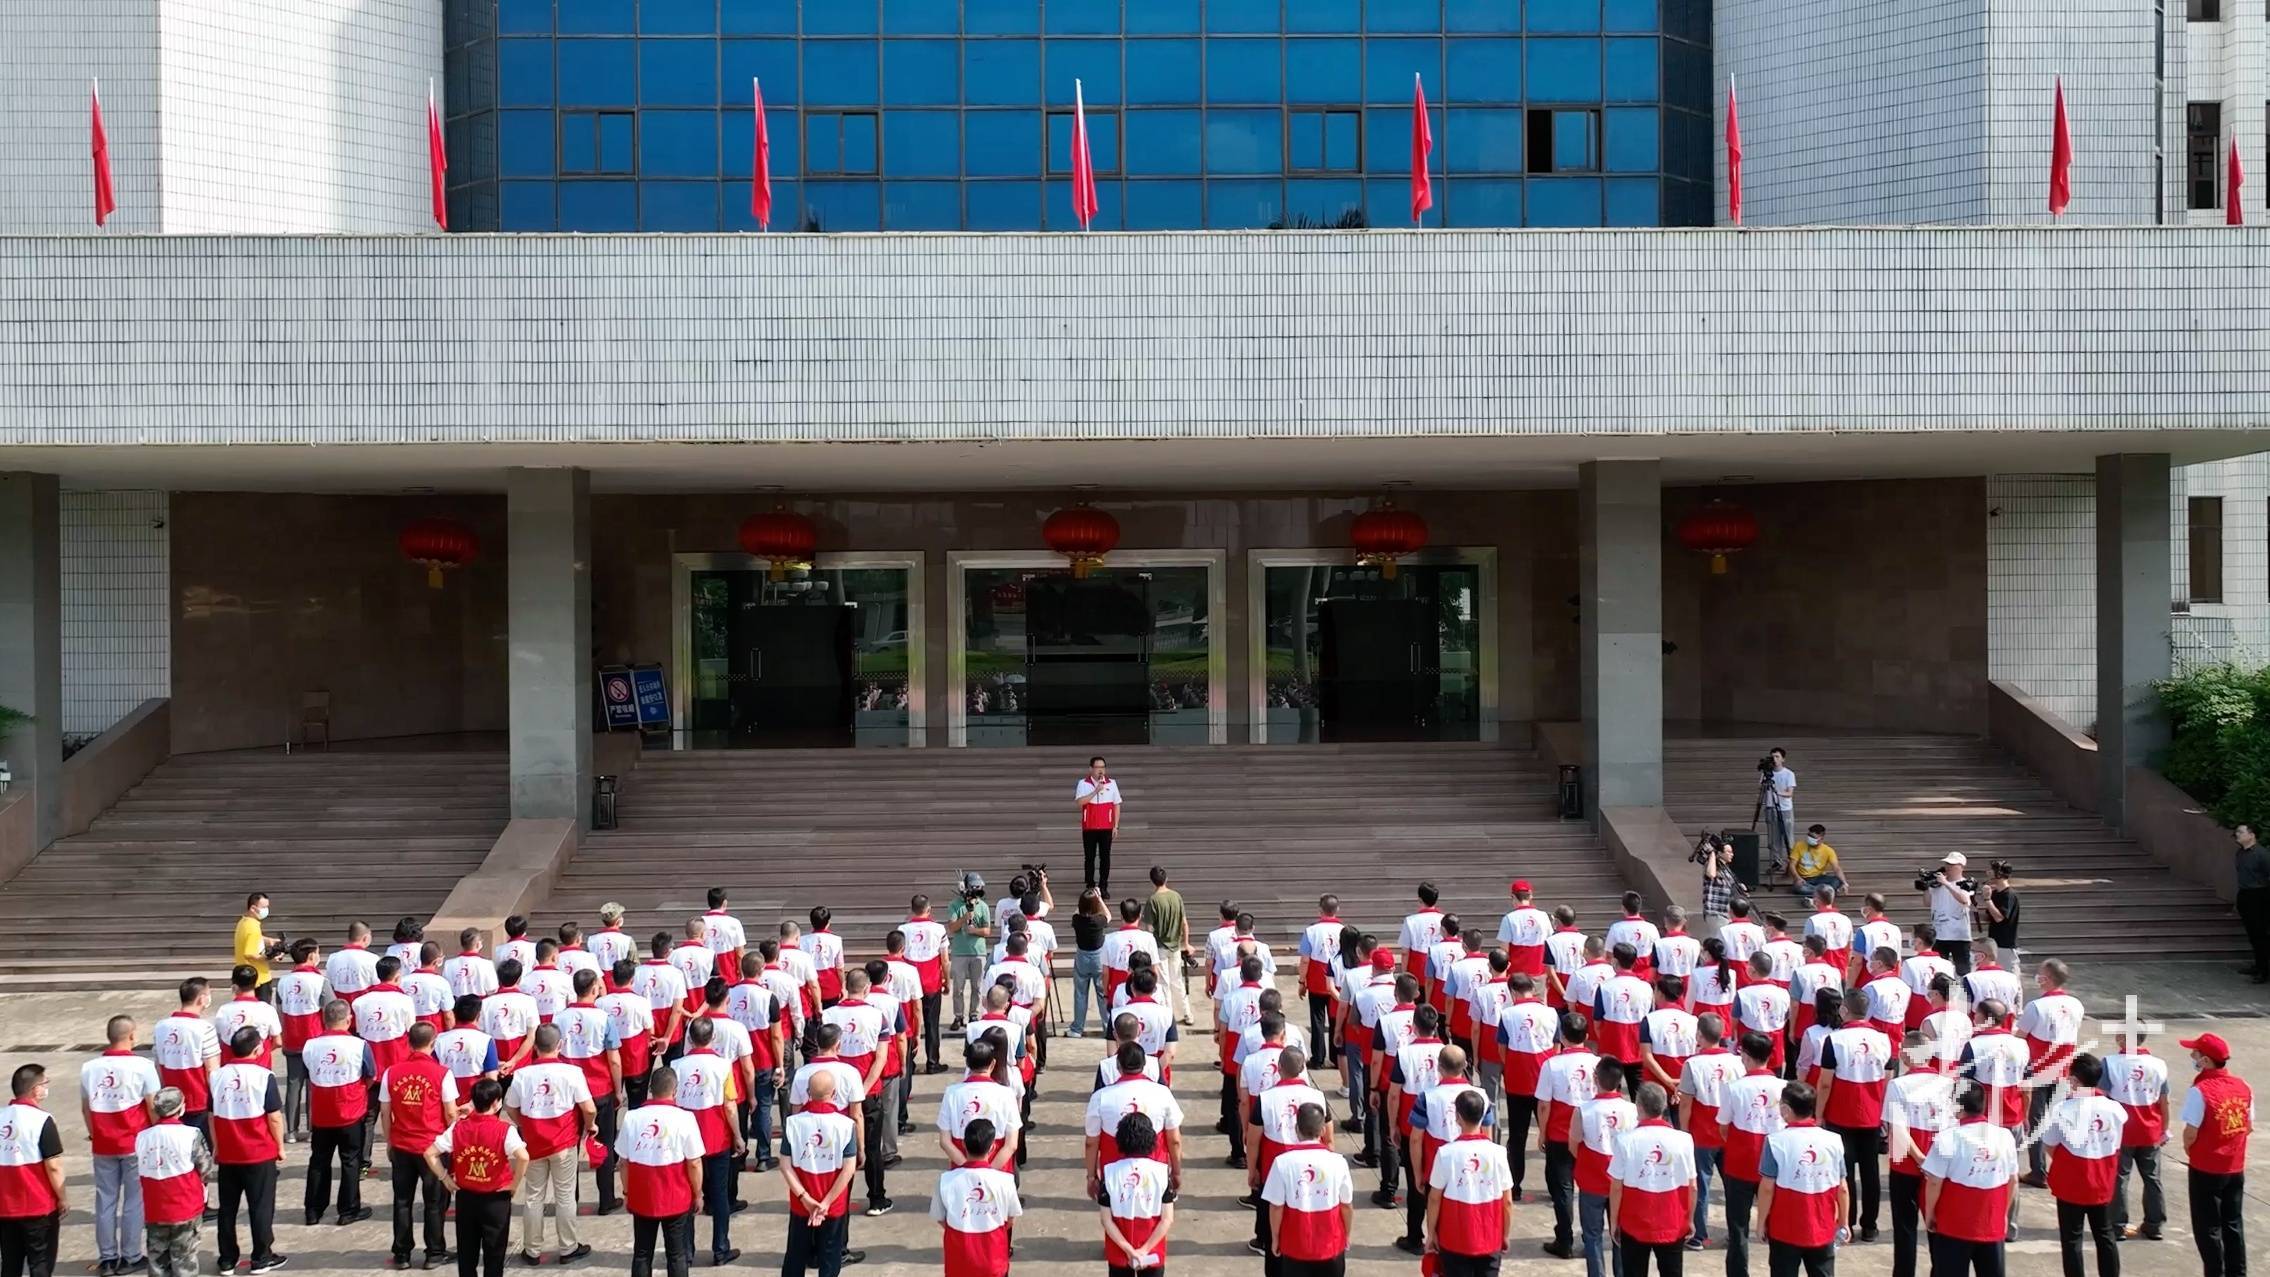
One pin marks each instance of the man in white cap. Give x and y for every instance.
(1950, 912)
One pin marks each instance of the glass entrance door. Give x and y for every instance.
(817, 659)
(1122, 656)
(1352, 655)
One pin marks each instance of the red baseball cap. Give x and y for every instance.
(1521, 886)
(594, 1152)
(2210, 1045)
(1383, 959)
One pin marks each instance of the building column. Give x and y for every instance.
(548, 600)
(1620, 575)
(31, 644)
(2134, 571)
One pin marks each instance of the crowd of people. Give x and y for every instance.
(1813, 1067)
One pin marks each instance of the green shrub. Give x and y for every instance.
(11, 719)
(2219, 752)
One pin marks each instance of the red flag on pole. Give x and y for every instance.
(1733, 156)
(105, 196)
(760, 162)
(437, 159)
(2234, 213)
(1083, 161)
(1422, 146)
(2060, 157)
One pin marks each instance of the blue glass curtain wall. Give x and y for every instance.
(585, 115)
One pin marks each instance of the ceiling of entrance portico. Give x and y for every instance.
(1159, 465)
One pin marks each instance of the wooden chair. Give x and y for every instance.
(315, 718)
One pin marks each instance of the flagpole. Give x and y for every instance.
(102, 224)
(1442, 144)
(1079, 143)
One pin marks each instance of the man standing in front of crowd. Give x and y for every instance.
(969, 931)
(253, 943)
(479, 1159)
(1950, 912)
(31, 1177)
(116, 1090)
(1097, 796)
(2218, 1115)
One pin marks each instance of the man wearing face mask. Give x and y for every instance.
(254, 944)
(1814, 864)
(2217, 1117)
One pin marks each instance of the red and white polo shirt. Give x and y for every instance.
(430, 996)
(350, 971)
(926, 949)
(383, 1016)
(861, 1024)
(1750, 1106)
(470, 975)
(1110, 1105)
(116, 1087)
(1277, 1111)
(610, 945)
(2083, 1136)
(243, 1097)
(825, 949)
(1656, 1165)
(1977, 1160)
(2051, 1026)
(547, 1095)
(1135, 1192)
(1998, 1062)
(28, 1137)
(1312, 1183)
(299, 1005)
(1705, 1078)
(585, 1033)
(2138, 1082)
(1565, 1081)
(180, 1044)
(979, 1096)
(973, 1206)
(1603, 1120)
(655, 1142)
(1673, 1035)
(1888, 996)
(631, 1015)
(1922, 1103)
(1622, 1002)
(1861, 1058)
(509, 1016)
(1523, 932)
(703, 1076)
(1475, 1180)
(552, 989)
(1806, 1165)
(821, 1142)
(338, 1064)
(466, 1052)
(247, 1010)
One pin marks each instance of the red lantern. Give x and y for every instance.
(1082, 534)
(1384, 534)
(1718, 528)
(783, 538)
(439, 544)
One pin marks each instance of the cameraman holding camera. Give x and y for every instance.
(969, 941)
(1716, 856)
(1777, 803)
(1999, 910)
(1950, 893)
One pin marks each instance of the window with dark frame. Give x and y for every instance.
(842, 143)
(1324, 140)
(1561, 140)
(597, 142)
(2203, 129)
(2206, 524)
(2203, 10)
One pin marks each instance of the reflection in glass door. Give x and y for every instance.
(817, 659)
(1119, 657)
(1349, 654)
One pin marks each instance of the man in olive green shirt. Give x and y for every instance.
(1169, 924)
(969, 946)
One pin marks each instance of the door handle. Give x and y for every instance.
(757, 663)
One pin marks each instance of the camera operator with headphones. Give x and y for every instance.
(1950, 893)
(1998, 908)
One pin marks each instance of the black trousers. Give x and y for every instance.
(1313, 1267)
(253, 1190)
(1787, 1259)
(1095, 856)
(1669, 1257)
(717, 1181)
(1415, 1197)
(610, 1121)
(412, 1177)
(2254, 914)
(1907, 1217)
(810, 1247)
(484, 1229)
(1741, 1196)
(2074, 1221)
(27, 1246)
(930, 1026)
(1954, 1257)
(346, 1142)
(1957, 954)
(1863, 1178)
(1520, 1111)
(1450, 1265)
(1560, 1185)
(677, 1234)
(1231, 1116)
(2215, 1223)
(1320, 1029)
(873, 1149)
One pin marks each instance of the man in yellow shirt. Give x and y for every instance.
(1813, 863)
(253, 942)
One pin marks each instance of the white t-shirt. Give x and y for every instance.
(1784, 787)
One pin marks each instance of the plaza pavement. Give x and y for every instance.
(1059, 1231)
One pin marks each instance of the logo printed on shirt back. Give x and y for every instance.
(1655, 1156)
(1810, 1157)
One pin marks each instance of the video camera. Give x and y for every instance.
(1929, 879)
(971, 886)
(1039, 869)
(1765, 768)
(1707, 845)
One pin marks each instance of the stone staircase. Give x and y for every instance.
(151, 893)
(1270, 827)
(1894, 804)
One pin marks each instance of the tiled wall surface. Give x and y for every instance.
(2236, 627)
(240, 116)
(50, 50)
(116, 646)
(2041, 589)
(1179, 336)
(1854, 113)
(2103, 49)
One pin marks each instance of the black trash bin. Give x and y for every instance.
(603, 802)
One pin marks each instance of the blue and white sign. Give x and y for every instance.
(653, 698)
